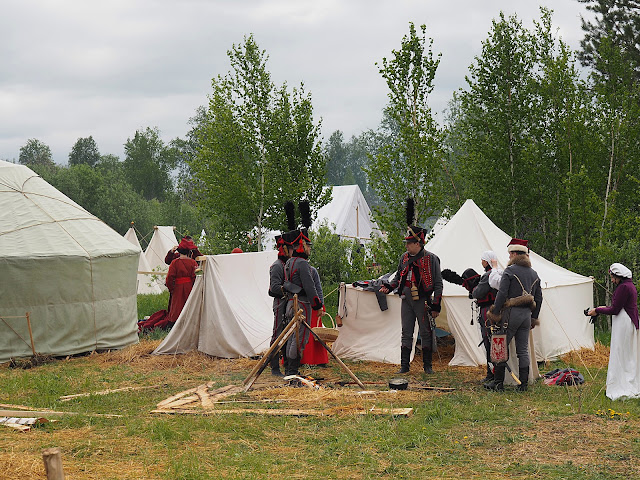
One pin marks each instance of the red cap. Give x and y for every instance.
(518, 245)
(236, 250)
(187, 244)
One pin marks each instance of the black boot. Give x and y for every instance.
(523, 376)
(275, 366)
(292, 366)
(405, 358)
(427, 356)
(497, 384)
(489, 376)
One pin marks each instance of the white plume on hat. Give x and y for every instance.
(488, 255)
(620, 270)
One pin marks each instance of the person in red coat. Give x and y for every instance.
(180, 280)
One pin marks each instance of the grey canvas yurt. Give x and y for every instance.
(74, 274)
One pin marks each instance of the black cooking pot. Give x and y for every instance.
(398, 384)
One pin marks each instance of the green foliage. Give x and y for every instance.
(617, 22)
(151, 303)
(257, 148)
(148, 163)
(84, 151)
(35, 153)
(410, 165)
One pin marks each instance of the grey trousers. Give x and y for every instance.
(519, 327)
(412, 311)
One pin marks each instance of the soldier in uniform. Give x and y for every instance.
(299, 280)
(419, 280)
(485, 296)
(276, 284)
(516, 309)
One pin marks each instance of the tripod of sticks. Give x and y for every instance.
(293, 328)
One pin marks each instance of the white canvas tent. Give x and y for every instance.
(349, 212)
(162, 240)
(73, 273)
(459, 245)
(229, 313)
(146, 284)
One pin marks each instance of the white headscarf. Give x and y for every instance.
(620, 270)
(488, 256)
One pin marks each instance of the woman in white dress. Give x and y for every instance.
(623, 374)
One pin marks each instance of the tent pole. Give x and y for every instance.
(33, 348)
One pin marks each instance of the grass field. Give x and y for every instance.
(549, 432)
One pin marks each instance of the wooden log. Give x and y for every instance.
(53, 463)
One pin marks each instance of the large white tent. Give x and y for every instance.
(74, 275)
(146, 283)
(162, 240)
(459, 244)
(228, 313)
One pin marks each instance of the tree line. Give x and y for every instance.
(542, 138)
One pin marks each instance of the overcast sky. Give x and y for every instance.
(75, 68)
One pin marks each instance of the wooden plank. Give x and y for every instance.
(175, 397)
(66, 398)
(398, 412)
(48, 413)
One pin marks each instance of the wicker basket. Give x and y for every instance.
(327, 334)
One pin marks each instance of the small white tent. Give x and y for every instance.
(349, 212)
(73, 273)
(162, 240)
(229, 312)
(147, 284)
(459, 244)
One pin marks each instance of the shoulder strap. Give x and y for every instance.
(524, 292)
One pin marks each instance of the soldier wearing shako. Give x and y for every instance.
(276, 283)
(419, 281)
(298, 280)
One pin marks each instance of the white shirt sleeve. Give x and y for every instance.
(494, 278)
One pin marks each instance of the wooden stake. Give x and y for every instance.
(53, 464)
(351, 374)
(33, 348)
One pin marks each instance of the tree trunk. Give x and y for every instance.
(606, 196)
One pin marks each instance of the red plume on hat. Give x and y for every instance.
(518, 245)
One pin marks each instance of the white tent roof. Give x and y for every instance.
(147, 284)
(459, 244)
(73, 273)
(162, 240)
(349, 212)
(228, 313)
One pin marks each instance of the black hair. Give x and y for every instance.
(183, 251)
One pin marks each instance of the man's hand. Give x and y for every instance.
(383, 289)
(435, 314)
